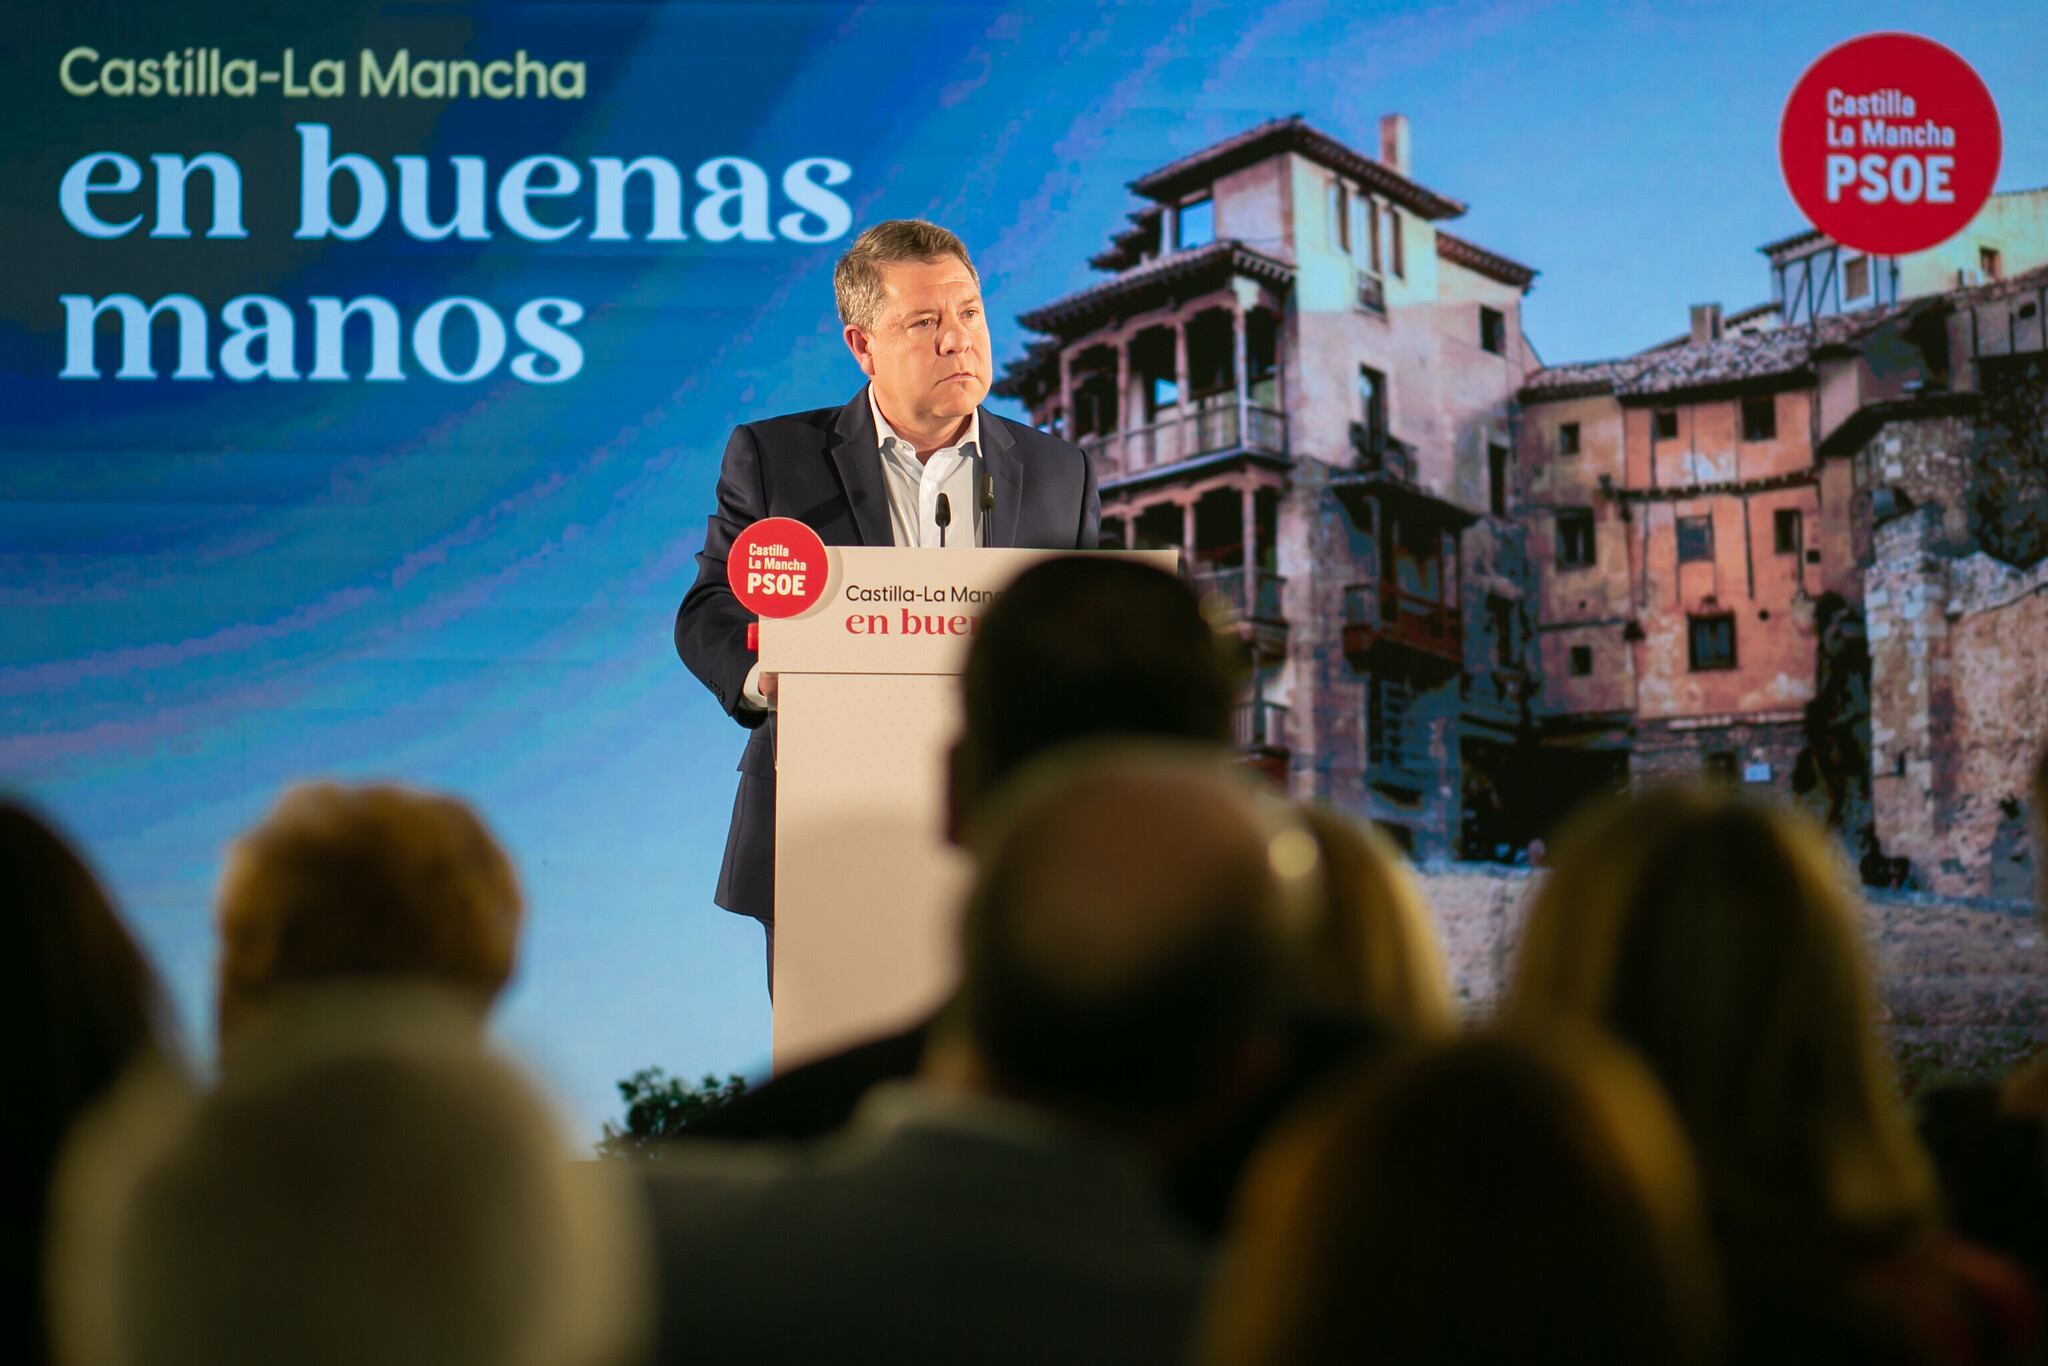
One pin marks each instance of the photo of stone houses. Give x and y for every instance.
(1802, 545)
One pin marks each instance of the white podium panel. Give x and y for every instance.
(867, 891)
(866, 887)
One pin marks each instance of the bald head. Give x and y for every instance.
(1126, 934)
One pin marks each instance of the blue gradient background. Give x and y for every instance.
(210, 590)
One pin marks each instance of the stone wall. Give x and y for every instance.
(1964, 981)
(1959, 652)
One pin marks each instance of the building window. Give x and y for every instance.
(1666, 424)
(1989, 263)
(1340, 225)
(1500, 615)
(1695, 539)
(1568, 439)
(1371, 220)
(1759, 418)
(1574, 538)
(1493, 330)
(1395, 737)
(1164, 394)
(1711, 643)
(1581, 661)
(1497, 478)
(1197, 224)
(1359, 233)
(1856, 277)
(1372, 407)
(1394, 234)
(1788, 531)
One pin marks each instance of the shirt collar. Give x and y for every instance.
(884, 433)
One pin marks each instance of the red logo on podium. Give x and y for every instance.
(1890, 143)
(777, 567)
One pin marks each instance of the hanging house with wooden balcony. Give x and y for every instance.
(1293, 375)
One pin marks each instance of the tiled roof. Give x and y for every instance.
(1726, 360)
(1227, 253)
(1732, 320)
(1586, 377)
(1797, 239)
(1127, 245)
(1294, 134)
(1732, 359)
(1036, 370)
(1488, 263)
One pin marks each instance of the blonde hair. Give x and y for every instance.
(857, 279)
(1489, 1199)
(1713, 933)
(375, 881)
(1373, 949)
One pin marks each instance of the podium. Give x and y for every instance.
(867, 890)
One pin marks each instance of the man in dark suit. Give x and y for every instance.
(1124, 951)
(873, 473)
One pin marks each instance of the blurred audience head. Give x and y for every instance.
(1714, 933)
(1085, 647)
(1373, 948)
(367, 1186)
(1126, 942)
(364, 883)
(1485, 1201)
(84, 1005)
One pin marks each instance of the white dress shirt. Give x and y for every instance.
(913, 487)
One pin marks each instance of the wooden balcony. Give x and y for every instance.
(1254, 604)
(1383, 623)
(1259, 730)
(1203, 429)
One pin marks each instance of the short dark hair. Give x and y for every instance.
(1120, 977)
(1090, 647)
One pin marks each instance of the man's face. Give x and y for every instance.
(928, 352)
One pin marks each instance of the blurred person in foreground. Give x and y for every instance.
(1125, 945)
(83, 1006)
(1374, 950)
(367, 1184)
(1989, 1139)
(1487, 1201)
(1713, 933)
(1369, 971)
(1077, 648)
(362, 884)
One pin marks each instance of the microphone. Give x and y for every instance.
(943, 515)
(987, 485)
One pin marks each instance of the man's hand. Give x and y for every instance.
(768, 689)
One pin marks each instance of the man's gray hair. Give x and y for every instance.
(857, 280)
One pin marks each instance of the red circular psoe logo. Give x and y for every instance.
(777, 567)
(1890, 143)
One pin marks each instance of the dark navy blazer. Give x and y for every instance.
(824, 468)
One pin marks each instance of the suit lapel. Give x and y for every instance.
(858, 457)
(1004, 466)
